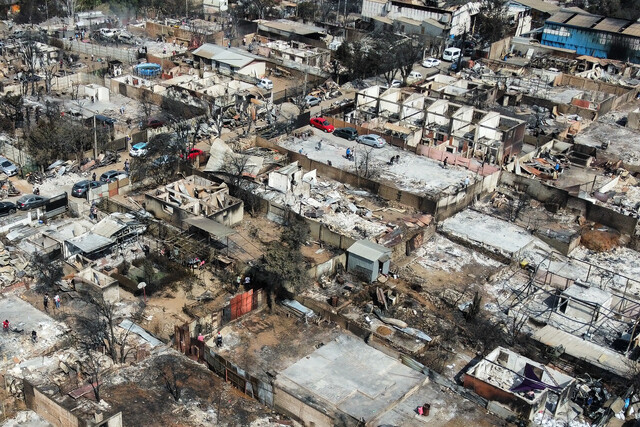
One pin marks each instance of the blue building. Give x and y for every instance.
(593, 35)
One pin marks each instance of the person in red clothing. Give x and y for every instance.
(5, 326)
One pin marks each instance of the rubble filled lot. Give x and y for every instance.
(412, 173)
(621, 139)
(203, 398)
(262, 342)
(23, 318)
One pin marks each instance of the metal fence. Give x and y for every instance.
(125, 54)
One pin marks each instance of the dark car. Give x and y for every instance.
(81, 188)
(7, 208)
(346, 133)
(154, 124)
(165, 160)
(30, 201)
(110, 176)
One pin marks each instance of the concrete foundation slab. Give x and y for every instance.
(350, 378)
(485, 232)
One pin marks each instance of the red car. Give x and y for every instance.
(154, 124)
(193, 154)
(322, 124)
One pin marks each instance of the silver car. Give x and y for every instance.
(7, 167)
(372, 140)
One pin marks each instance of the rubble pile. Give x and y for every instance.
(12, 266)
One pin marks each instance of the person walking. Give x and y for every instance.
(34, 337)
(126, 166)
(45, 301)
(219, 339)
(444, 163)
(93, 177)
(5, 325)
(56, 300)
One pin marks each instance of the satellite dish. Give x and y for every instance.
(142, 285)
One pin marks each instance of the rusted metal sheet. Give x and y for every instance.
(241, 304)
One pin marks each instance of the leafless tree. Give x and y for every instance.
(71, 6)
(99, 328)
(235, 166)
(146, 103)
(93, 367)
(32, 57)
(364, 163)
(173, 378)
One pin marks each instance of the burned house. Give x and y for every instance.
(461, 130)
(194, 197)
(97, 285)
(584, 302)
(516, 385)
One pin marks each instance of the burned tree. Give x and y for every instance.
(99, 329)
(365, 167)
(173, 379)
(47, 272)
(283, 268)
(235, 166)
(146, 104)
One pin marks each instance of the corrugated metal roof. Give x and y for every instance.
(540, 5)
(90, 242)
(632, 30)
(290, 27)
(222, 55)
(207, 50)
(368, 250)
(611, 25)
(583, 21)
(561, 17)
(210, 226)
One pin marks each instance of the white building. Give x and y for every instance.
(456, 18)
(212, 7)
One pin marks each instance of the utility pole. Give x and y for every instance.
(95, 138)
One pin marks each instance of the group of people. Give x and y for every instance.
(6, 327)
(218, 338)
(56, 301)
(240, 280)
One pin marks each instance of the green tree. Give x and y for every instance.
(491, 22)
(283, 268)
(307, 10)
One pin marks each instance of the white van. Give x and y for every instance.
(451, 54)
(415, 75)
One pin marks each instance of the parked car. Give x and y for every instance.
(193, 153)
(430, 62)
(394, 83)
(81, 188)
(346, 133)
(154, 124)
(163, 160)
(265, 84)
(7, 208)
(415, 75)
(372, 140)
(30, 201)
(110, 176)
(138, 150)
(322, 124)
(312, 100)
(7, 167)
